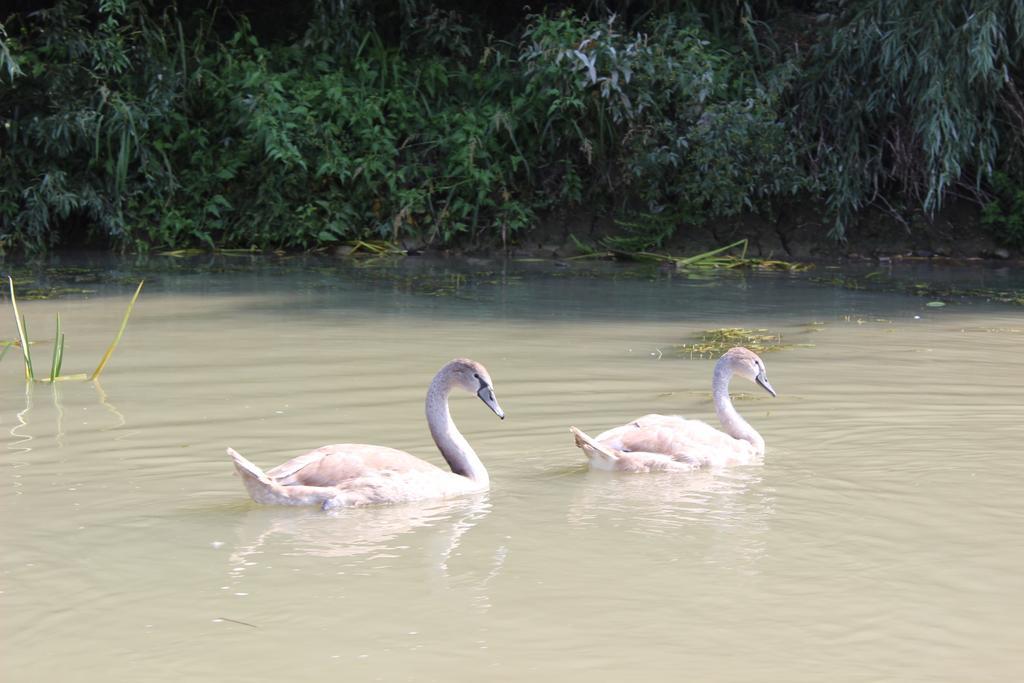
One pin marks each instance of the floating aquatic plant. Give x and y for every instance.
(715, 258)
(192, 251)
(713, 343)
(374, 248)
(57, 358)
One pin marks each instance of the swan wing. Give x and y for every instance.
(686, 441)
(338, 463)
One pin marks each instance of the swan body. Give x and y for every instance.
(350, 475)
(654, 443)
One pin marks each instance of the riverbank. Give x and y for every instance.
(935, 280)
(799, 232)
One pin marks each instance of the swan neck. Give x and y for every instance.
(732, 422)
(460, 456)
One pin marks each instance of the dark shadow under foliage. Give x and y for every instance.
(144, 125)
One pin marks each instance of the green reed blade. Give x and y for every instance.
(22, 333)
(60, 356)
(120, 333)
(714, 252)
(30, 373)
(58, 351)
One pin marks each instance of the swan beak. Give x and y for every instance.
(763, 381)
(486, 395)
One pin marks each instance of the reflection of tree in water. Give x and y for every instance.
(729, 508)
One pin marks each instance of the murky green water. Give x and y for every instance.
(880, 539)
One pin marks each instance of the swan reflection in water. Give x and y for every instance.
(436, 526)
(430, 533)
(731, 509)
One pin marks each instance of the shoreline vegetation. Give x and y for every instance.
(935, 280)
(809, 129)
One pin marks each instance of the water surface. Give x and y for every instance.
(879, 540)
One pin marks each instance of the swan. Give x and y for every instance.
(349, 475)
(655, 443)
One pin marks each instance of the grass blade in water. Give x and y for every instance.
(120, 333)
(22, 333)
(60, 356)
(58, 352)
(30, 373)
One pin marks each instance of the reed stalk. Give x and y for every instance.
(22, 333)
(120, 333)
(57, 358)
(58, 352)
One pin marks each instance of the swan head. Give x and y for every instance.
(748, 365)
(474, 378)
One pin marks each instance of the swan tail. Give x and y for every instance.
(263, 489)
(247, 469)
(600, 456)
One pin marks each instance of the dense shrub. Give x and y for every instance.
(913, 101)
(296, 124)
(660, 114)
(1004, 214)
(151, 130)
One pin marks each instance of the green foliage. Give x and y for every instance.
(150, 130)
(643, 232)
(914, 100)
(8, 65)
(76, 123)
(660, 116)
(130, 124)
(1004, 215)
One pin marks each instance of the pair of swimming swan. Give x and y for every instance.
(348, 475)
